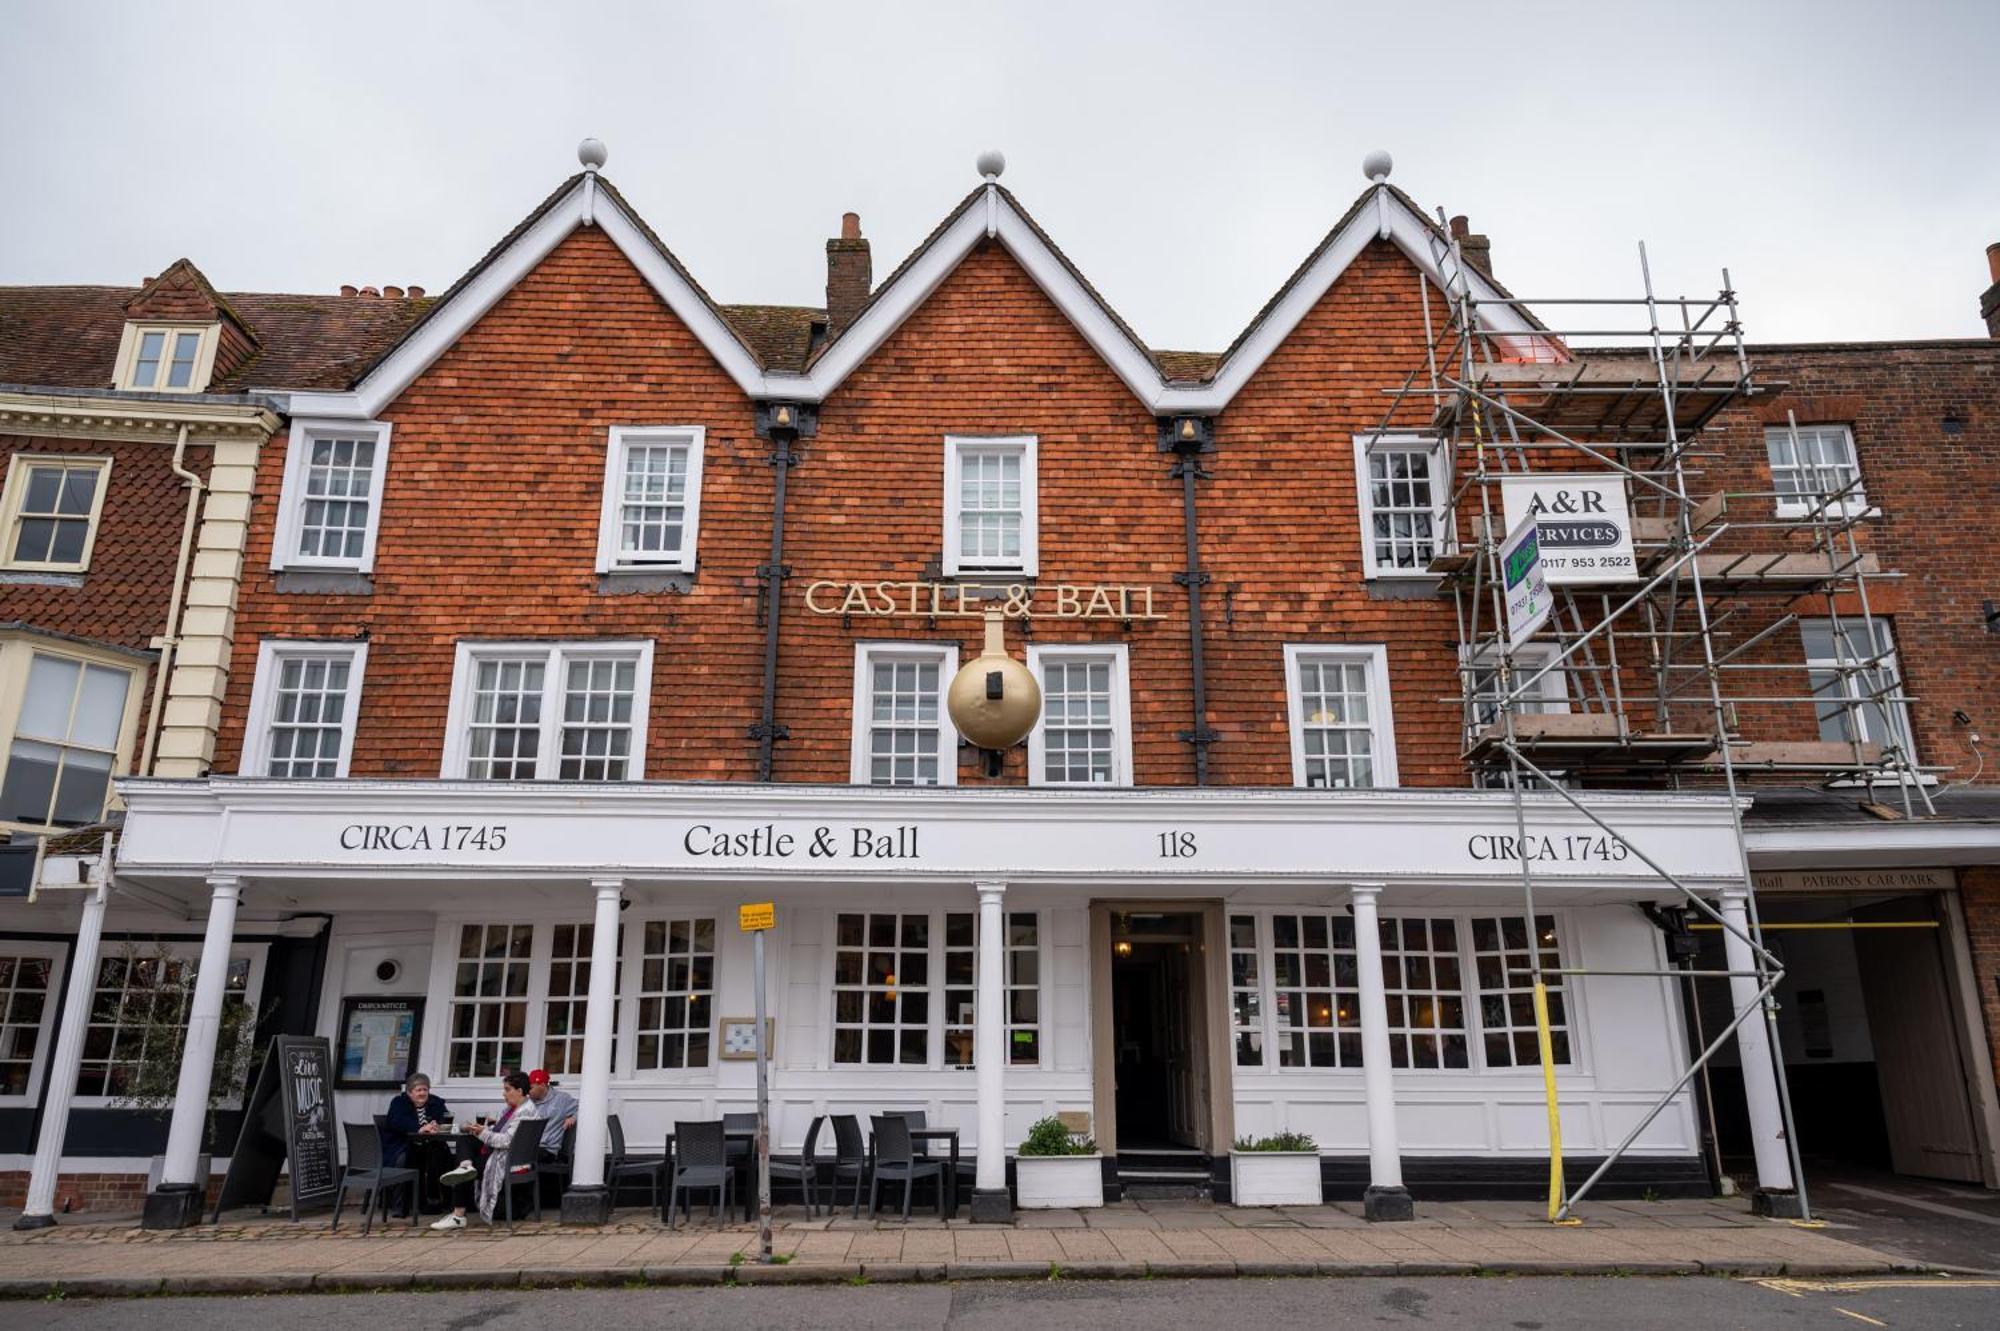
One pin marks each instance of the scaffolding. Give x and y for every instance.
(1672, 673)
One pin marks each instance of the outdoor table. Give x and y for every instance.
(950, 1183)
(430, 1154)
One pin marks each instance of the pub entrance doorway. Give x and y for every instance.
(1159, 1050)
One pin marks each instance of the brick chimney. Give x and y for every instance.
(849, 274)
(1989, 304)
(1478, 250)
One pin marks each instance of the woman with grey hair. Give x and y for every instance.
(413, 1113)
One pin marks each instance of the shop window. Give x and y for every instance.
(652, 499)
(1404, 487)
(1421, 974)
(1858, 684)
(881, 988)
(49, 513)
(1084, 737)
(961, 995)
(1315, 998)
(68, 738)
(901, 734)
(489, 999)
(1023, 952)
(676, 994)
(303, 703)
(25, 986)
(1503, 951)
(331, 508)
(124, 1005)
(155, 358)
(567, 999)
(551, 712)
(1815, 471)
(990, 506)
(1338, 699)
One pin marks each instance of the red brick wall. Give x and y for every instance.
(123, 599)
(1979, 894)
(113, 1193)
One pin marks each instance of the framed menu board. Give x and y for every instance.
(378, 1042)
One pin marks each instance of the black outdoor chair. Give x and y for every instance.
(623, 1165)
(850, 1158)
(894, 1159)
(558, 1166)
(365, 1170)
(916, 1119)
(701, 1160)
(805, 1168)
(524, 1153)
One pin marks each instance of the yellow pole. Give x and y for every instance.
(1549, 1089)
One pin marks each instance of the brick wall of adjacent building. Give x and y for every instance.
(1979, 893)
(88, 1192)
(123, 596)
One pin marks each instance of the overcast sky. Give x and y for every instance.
(1840, 158)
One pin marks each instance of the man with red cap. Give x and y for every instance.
(557, 1106)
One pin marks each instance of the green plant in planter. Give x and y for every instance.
(152, 1023)
(1049, 1137)
(1277, 1141)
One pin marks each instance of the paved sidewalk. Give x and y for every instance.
(252, 1253)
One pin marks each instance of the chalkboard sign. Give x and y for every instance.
(289, 1117)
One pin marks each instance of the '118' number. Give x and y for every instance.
(1177, 845)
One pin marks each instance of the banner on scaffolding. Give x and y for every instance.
(1527, 590)
(1586, 524)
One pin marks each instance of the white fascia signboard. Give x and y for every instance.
(532, 829)
(1586, 525)
(1527, 592)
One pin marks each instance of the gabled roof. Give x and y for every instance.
(182, 292)
(771, 352)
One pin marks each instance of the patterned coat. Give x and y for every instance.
(493, 1176)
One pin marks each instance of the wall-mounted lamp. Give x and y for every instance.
(1123, 947)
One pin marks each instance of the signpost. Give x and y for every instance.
(756, 920)
(1521, 579)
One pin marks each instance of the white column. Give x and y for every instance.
(204, 1026)
(1385, 1198)
(990, 1039)
(1753, 1047)
(59, 1082)
(593, 1110)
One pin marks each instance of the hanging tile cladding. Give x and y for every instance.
(123, 597)
(495, 477)
(1281, 532)
(489, 522)
(988, 353)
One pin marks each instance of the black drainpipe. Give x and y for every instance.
(1187, 438)
(784, 424)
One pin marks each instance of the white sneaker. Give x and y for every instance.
(449, 1222)
(459, 1175)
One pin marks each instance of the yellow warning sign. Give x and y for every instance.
(762, 915)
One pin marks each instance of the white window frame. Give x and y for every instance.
(557, 655)
(292, 497)
(256, 953)
(610, 557)
(1382, 720)
(1568, 953)
(865, 653)
(934, 1048)
(202, 371)
(17, 655)
(1444, 539)
(633, 993)
(1793, 509)
(1112, 653)
(1897, 714)
(57, 955)
(16, 493)
(255, 759)
(955, 565)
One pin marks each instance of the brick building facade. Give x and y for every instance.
(490, 679)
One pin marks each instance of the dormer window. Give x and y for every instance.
(166, 358)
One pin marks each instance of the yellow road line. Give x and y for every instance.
(1859, 1317)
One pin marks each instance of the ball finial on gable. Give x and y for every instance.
(1377, 165)
(991, 163)
(591, 153)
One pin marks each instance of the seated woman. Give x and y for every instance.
(491, 1142)
(415, 1112)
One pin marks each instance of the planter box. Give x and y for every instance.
(1274, 1178)
(1045, 1181)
